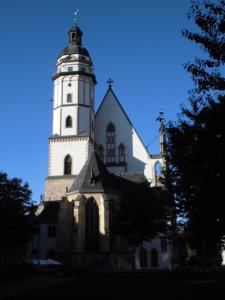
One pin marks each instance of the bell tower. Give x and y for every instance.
(74, 81)
(73, 116)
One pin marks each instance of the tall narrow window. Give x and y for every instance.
(101, 152)
(154, 258)
(68, 165)
(69, 122)
(143, 258)
(110, 143)
(91, 225)
(69, 98)
(121, 152)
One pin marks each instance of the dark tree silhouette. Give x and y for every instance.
(195, 143)
(17, 214)
(140, 214)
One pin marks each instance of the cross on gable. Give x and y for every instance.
(110, 82)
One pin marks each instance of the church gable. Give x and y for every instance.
(130, 154)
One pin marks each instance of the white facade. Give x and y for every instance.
(73, 96)
(76, 127)
(73, 109)
(136, 155)
(78, 148)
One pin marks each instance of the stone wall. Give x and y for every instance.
(57, 186)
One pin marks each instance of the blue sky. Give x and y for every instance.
(136, 43)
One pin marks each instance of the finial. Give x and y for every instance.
(75, 18)
(110, 82)
(161, 117)
(161, 120)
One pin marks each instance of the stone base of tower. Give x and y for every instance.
(57, 186)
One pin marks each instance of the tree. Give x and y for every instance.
(17, 214)
(140, 214)
(195, 143)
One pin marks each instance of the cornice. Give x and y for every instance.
(69, 138)
(82, 73)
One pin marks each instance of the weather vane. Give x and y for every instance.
(75, 18)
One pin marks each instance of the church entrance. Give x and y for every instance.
(91, 225)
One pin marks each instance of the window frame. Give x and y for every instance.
(110, 143)
(69, 98)
(68, 165)
(69, 122)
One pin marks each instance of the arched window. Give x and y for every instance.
(143, 258)
(110, 143)
(69, 122)
(154, 258)
(68, 165)
(121, 153)
(101, 152)
(91, 225)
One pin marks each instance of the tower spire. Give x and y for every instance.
(161, 120)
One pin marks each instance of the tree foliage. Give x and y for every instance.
(208, 72)
(140, 214)
(17, 213)
(195, 143)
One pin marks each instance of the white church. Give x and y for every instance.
(87, 151)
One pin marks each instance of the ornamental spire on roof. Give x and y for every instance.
(161, 120)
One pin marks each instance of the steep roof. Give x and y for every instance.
(93, 177)
(136, 177)
(49, 213)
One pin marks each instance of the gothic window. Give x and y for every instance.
(101, 152)
(143, 258)
(69, 98)
(121, 152)
(51, 231)
(68, 165)
(91, 225)
(69, 122)
(154, 258)
(110, 143)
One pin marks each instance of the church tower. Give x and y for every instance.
(73, 116)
